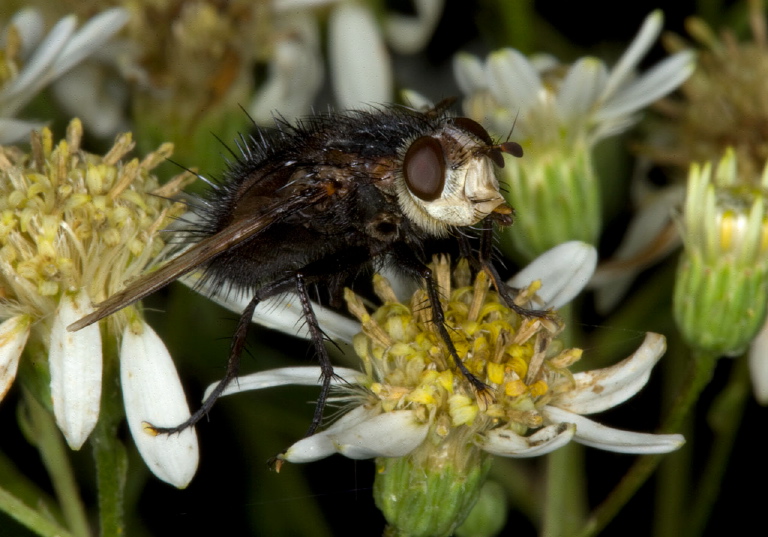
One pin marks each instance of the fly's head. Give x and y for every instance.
(448, 177)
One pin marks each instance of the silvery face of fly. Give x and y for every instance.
(335, 195)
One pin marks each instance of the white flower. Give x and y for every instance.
(400, 400)
(43, 61)
(588, 103)
(559, 113)
(74, 228)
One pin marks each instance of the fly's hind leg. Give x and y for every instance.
(326, 368)
(233, 364)
(238, 344)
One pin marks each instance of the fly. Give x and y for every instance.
(333, 196)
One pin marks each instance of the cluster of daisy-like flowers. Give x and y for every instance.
(429, 427)
(723, 115)
(559, 113)
(74, 227)
(186, 69)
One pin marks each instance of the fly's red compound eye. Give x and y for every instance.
(424, 168)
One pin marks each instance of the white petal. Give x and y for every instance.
(75, 363)
(89, 39)
(602, 389)
(563, 270)
(88, 92)
(653, 85)
(469, 73)
(543, 62)
(513, 81)
(13, 336)
(295, 72)
(363, 434)
(283, 312)
(581, 88)
(643, 244)
(758, 365)
(31, 27)
(152, 393)
(391, 434)
(632, 56)
(599, 436)
(505, 443)
(360, 65)
(321, 445)
(15, 130)
(36, 72)
(294, 5)
(651, 219)
(408, 34)
(416, 100)
(299, 376)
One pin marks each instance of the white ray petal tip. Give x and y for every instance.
(506, 443)
(13, 338)
(152, 393)
(638, 443)
(75, 361)
(391, 434)
(758, 366)
(309, 449)
(564, 271)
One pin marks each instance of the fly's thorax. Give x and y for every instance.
(448, 179)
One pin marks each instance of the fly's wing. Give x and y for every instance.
(198, 255)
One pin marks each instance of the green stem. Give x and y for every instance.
(54, 454)
(36, 521)
(672, 490)
(703, 367)
(109, 453)
(565, 501)
(111, 468)
(673, 476)
(725, 419)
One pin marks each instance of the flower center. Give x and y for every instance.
(409, 366)
(70, 220)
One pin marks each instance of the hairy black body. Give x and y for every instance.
(335, 195)
(350, 158)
